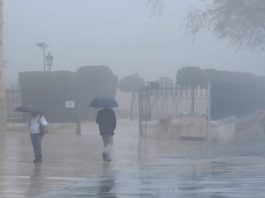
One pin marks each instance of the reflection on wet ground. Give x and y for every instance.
(176, 176)
(141, 168)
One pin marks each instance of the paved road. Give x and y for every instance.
(73, 167)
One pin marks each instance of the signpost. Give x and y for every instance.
(70, 104)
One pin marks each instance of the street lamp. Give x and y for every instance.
(43, 46)
(49, 60)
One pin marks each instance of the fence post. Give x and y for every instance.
(78, 126)
(192, 89)
(140, 111)
(78, 119)
(208, 108)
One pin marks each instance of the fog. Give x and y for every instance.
(95, 126)
(124, 35)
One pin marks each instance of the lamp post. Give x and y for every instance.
(49, 60)
(43, 46)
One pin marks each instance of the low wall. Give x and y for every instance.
(250, 127)
(189, 127)
(195, 127)
(223, 130)
(233, 128)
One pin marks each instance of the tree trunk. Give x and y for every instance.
(132, 109)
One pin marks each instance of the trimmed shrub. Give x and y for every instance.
(50, 91)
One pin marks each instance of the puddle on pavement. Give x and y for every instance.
(237, 177)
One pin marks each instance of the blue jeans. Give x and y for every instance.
(36, 140)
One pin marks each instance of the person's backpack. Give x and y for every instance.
(43, 129)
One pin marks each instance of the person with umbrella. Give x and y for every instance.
(38, 127)
(106, 120)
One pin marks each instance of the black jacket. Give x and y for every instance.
(106, 121)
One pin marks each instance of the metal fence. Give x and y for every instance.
(13, 100)
(56, 110)
(170, 102)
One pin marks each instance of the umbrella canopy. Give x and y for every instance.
(28, 109)
(103, 102)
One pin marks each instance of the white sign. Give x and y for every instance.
(70, 104)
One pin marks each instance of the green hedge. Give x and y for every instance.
(236, 99)
(91, 82)
(50, 90)
(232, 93)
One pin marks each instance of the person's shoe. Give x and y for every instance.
(104, 156)
(37, 160)
(108, 158)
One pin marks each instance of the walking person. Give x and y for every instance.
(38, 127)
(106, 120)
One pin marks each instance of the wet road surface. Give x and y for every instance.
(73, 167)
(223, 177)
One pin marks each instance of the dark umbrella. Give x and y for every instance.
(28, 109)
(103, 102)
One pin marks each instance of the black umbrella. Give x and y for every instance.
(103, 102)
(29, 109)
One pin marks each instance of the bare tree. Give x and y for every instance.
(241, 22)
(156, 6)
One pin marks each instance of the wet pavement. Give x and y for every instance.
(73, 167)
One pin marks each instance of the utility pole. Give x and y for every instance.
(3, 118)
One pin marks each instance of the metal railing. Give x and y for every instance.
(170, 102)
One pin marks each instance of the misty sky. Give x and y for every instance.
(118, 33)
